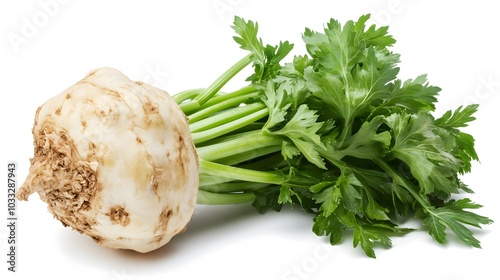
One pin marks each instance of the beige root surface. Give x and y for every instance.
(114, 159)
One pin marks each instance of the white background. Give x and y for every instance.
(178, 45)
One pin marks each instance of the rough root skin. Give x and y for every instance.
(114, 159)
(65, 182)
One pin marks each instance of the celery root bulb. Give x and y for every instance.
(114, 159)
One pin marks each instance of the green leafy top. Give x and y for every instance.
(266, 59)
(337, 133)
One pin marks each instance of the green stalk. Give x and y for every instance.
(235, 173)
(225, 117)
(223, 79)
(211, 115)
(250, 155)
(210, 198)
(231, 187)
(270, 162)
(346, 131)
(202, 136)
(243, 132)
(187, 95)
(211, 180)
(249, 142)
(222, 97)
(218, 107)
(200, 99)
